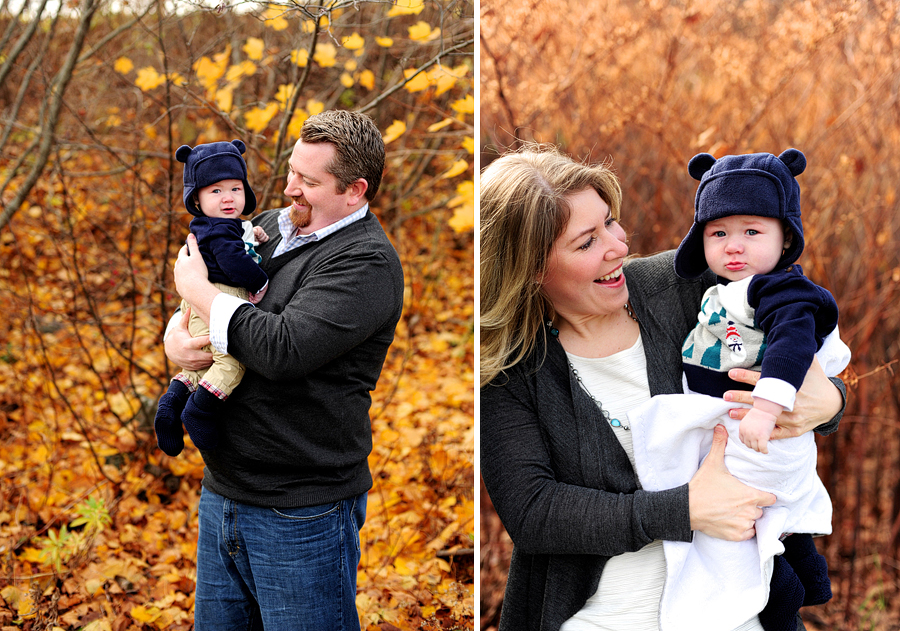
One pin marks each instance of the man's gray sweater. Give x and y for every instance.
(296, 432)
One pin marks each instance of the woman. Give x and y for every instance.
(572, 337)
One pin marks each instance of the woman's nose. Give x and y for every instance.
(616, 248)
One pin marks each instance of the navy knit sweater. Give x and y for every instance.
(221, 243)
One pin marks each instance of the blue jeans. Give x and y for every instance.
(277, 569)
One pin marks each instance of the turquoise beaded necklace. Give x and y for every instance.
(614, 422)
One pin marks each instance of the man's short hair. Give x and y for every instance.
(359, 148)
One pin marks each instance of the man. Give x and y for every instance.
(284, 492)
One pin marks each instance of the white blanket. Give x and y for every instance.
(714, 584)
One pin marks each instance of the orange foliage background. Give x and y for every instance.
(86, 287)
(650, 84)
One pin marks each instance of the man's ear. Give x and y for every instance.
(357, 191)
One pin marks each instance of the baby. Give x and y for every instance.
(217, 193)
(765, 314)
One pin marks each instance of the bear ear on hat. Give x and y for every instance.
(182, 153)
(700, 164)
(795, 161)
(240, 145)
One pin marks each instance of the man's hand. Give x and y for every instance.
(184, 350)
(192, 279)
(818, 400)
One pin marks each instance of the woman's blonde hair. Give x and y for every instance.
(524, 209)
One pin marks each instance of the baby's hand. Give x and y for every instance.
(255, 298)
(756, 428)
(260, 235)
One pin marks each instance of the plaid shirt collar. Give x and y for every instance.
(290, 240)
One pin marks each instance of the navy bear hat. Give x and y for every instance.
(211, 163)
(758, 184)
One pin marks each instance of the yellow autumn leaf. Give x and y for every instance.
(396, 129)
(367, 79)
(346, 80)
(455, 169)
(406, 7)
(422, 32)
(384, 42)
(441, 125)
(325, 54)
(148, 79)
(225, 98)
(353, 42)
(27, 608)
(176, 79)
(417, 83)
(32, 555)
(468, 144)
(464, 106)
(464, 216)
(284, 94)
(244, 69)
(274, 19)
(444, 78)
(123, 65)
(254, 48)
(350, 65)
(209, 71)
(145, 615)
(300, 57)
(258, 119)
(296, 123)
(314, 107)
(309, 26)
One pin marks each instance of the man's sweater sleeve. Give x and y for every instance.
(345, 301)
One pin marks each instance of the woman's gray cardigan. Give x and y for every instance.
(558, 477)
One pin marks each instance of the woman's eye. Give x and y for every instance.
(588, 243)
(609, 221)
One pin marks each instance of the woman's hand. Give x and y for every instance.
(818, 401)
(184, 350)
(720, 505)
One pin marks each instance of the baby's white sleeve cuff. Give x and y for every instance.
(776, 391)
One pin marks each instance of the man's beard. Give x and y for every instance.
(301, 218)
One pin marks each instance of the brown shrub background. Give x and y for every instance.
(650, 84)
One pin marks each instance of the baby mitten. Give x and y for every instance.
(169, 433)
(199, 418)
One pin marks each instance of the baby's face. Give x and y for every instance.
(742, 245)
(223, 199)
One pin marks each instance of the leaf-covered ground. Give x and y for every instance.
(137, 570)
(98, 528)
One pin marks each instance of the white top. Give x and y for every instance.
(630, 589)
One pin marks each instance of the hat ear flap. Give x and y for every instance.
(182, 153)
(795, 161)
(700, 164)
(240, 145)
